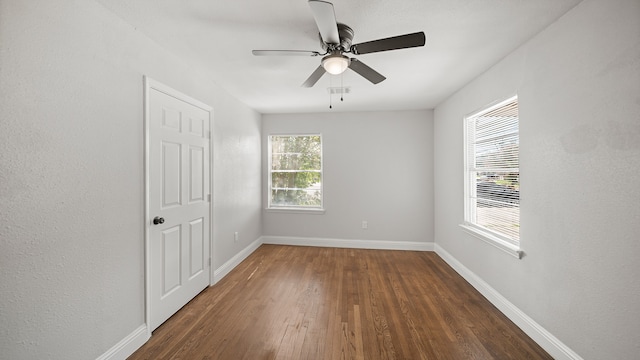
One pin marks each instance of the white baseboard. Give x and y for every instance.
(127, 346)
(223, 270)
(540, 335)
(348, 243)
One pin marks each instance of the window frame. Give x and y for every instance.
(492, 237)
(294, 208)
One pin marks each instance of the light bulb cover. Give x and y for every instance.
(335, 64)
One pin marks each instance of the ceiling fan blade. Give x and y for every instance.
(313, 79)
(284, 53)
(325, 20)
(365, 71)
(391, 43)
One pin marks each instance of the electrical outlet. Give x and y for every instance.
(365, 224)
(235, 236)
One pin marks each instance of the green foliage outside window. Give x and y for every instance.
(296, 170)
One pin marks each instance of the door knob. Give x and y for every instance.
(158, 220)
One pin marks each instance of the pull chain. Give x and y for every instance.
(341, 87)
(330, 94)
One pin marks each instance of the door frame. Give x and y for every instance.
(150, 84)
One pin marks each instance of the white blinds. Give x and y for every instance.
(493, 194)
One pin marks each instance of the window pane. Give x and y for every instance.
(295, 161)
(501, 153)
(310, 197)
(296, 171)
(296, 144)
(499, 217)
(295, 180)
(497, 202)
(493, 194)
(499, 187)
(492, 127)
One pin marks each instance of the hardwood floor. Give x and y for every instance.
(286, 302)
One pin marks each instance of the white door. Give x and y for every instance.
(178, 201)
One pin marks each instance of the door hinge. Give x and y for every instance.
(209, 198)
(208, 134)
(209, 262)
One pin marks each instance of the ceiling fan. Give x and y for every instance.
(336, 41)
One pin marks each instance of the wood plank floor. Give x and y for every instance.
(286, 302)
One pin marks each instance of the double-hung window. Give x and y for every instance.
(295, 172)
(492, 175)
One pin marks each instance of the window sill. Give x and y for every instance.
(490, 239)
(313, 211)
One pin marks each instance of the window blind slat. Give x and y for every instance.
(493, 195)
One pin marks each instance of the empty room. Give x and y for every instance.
(308, 179)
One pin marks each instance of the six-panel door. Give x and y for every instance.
(178, 193)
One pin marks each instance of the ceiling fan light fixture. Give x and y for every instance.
(335, 64)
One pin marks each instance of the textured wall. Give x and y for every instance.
(578, 84)
(378, 167)
(71, 175)
(237, 166)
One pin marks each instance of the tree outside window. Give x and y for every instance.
(295, 171)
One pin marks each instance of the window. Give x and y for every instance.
(295, 172)
(492, 184)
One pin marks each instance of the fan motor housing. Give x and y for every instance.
(346, 37)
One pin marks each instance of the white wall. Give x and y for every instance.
(579, 93)
(378, 167)
(71, 175)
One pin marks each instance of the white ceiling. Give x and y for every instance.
(464, 38)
